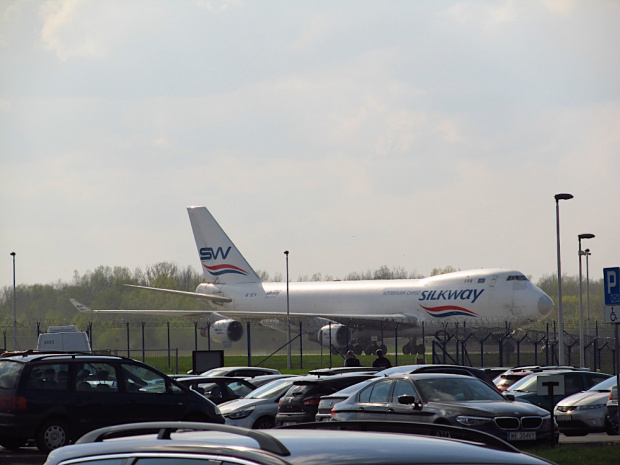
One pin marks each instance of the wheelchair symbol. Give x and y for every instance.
(612, 316)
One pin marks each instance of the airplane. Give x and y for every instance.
(346, 314)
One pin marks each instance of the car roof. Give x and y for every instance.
(30, 356)
(346, 443)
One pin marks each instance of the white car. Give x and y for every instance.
(585, 412)
(259, 408)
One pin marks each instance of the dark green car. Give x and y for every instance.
(574, 382)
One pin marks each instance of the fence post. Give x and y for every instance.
(128, 354)
(195, 335)
(396, 345)
(249, 344)
(143, 354)
(301, 348)
(168, 325)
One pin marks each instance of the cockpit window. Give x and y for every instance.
(518, 277)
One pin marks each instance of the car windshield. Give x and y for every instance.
(527, 384)
(462, 389)
(604, 385)
(216, 372)
(270, 390)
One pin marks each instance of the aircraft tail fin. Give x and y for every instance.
(220, 260)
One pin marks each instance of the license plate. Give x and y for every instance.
(522, 436)
(563, 418)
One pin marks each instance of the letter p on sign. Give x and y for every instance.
(611, 280)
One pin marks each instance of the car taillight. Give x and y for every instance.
(331, 412)
(13, 403)
(312, 401)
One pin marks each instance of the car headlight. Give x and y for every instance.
(590, 407)
(241, 413)
(472, 421)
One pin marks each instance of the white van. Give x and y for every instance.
(64, 339)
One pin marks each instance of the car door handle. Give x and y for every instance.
(390, 410)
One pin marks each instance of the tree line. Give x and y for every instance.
(105, 288)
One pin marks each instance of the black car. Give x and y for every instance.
(440, 368)
(447, 399)
(301, 401)
(54, 398)
(325, 443)
(218, 389)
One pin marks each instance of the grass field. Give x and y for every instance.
(579, 454)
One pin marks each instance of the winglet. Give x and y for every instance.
(80, 307)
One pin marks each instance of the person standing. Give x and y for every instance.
(352, 360)
(381, 361)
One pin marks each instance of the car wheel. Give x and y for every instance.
(12, 443)
(264, 423)
(52, 435)
(609, 429)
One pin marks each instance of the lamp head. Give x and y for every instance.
(13, 254)
(586, 236)
(563, 197)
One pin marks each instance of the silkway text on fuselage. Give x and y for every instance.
(462, 294)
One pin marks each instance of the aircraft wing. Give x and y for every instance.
(273, 319)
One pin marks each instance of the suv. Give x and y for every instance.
(574, 381)
(328, 443)
(54, 398)
(301, 402)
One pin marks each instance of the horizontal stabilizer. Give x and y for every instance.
(196, 295)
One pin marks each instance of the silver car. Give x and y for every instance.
(585, 412)
(258, 409)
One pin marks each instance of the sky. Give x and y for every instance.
(354, 134)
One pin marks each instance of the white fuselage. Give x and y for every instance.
(479, 297)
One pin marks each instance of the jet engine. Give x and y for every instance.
(226, 330)
(336, 334)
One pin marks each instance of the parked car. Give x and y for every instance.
(574, 382)
(258, 409)
(612, 410)
(184, 443)
(241, 372)
(439, 368)
(510, 377)
(218, 389)
(456, 400)
(586, 411)
(55, 398)
(261, 380)
(301, 401)
(326, 403)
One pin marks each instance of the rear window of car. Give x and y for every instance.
(10, 372)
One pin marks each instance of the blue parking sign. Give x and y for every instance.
(611, 280)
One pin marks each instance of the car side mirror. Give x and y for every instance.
(410, 400)
(510, 397)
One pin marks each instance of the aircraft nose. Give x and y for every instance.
(545, 304)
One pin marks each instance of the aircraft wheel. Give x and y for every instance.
(421, 349)
(383, 349)
(407, 349)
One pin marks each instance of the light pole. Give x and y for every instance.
(581, 344)
(14, 307)
(288, 319)
(559, 197)
(587, 254)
